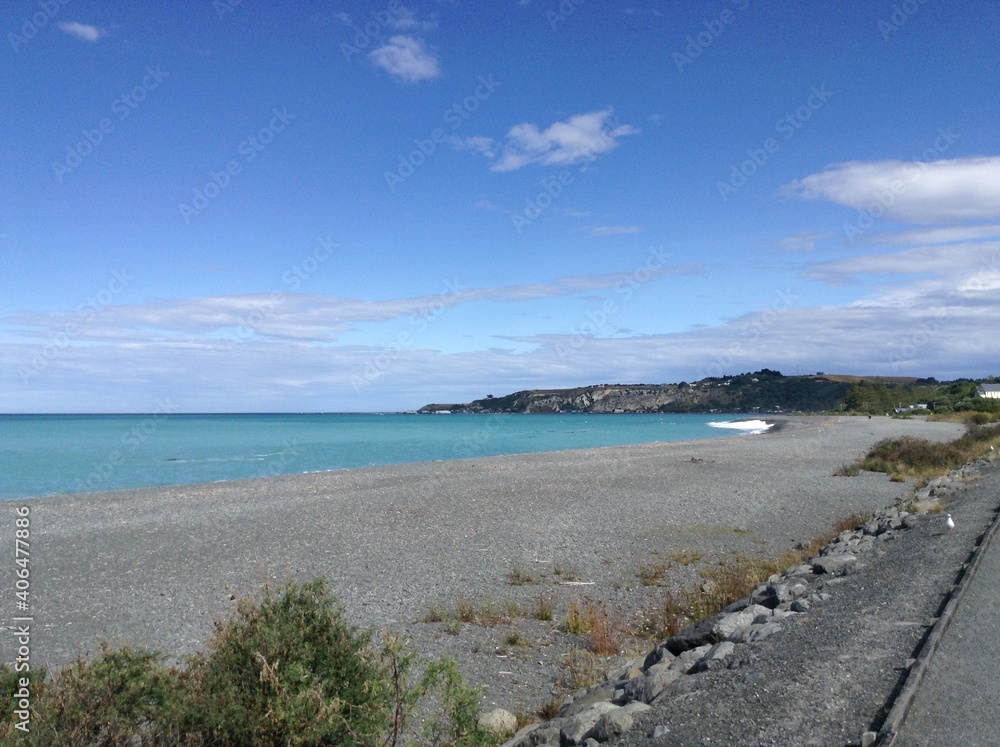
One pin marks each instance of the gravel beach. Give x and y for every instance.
(154, 566)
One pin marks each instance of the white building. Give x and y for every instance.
(990, 391)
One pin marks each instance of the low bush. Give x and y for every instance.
(285, 669)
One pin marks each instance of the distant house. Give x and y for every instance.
(990, 391)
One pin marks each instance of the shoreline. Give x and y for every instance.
(154, 566)
(776, 425)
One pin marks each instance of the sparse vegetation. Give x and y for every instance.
(543, 608)
(520, 577)
(685, 557)
(651, 574)
(285, 669)
(725, 582)
(606, 630)
(906, 456)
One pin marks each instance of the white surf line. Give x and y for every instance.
(749, 426)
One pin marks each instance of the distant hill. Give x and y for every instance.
(763, 391)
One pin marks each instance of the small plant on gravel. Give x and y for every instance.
(685, 557)
(576, 621)
(435, 614)
(514, 638)
(520, 577)
(565, 572)
(651, 574)
(543, 608)
(847, 470)
(581, 668)
(465, 610)
(606, 631)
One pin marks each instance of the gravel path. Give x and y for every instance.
(153, 566)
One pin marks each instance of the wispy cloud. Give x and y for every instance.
(478, 143)
(941, 235)
(405, 58)
(600, 231)
(801, 243)
(944, 261)
(582, 137)
(911, 192)
(299, 316)
(83, 31)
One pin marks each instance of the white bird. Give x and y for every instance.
(949, 522)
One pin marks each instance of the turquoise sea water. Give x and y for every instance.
(46, 454)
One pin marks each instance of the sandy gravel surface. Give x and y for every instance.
(153, 566)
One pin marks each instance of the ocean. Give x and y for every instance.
(50, 454)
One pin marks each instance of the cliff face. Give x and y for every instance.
(765, 391)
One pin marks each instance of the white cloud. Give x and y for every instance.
(801, 243)
(83, 31)
(601, 231)
(911, 192)
(942, 235)
(947, 261)
(945, 329)
(582, 137)
(403, 19)
(406, 59)
(297, 316)
(477, 143)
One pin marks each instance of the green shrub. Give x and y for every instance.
(288, 670)
(285, 669)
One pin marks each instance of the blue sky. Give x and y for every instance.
(254, 206)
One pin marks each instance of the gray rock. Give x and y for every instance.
(575, 729)
(728, 625)
(801, 605)
(498, 721)
(653, 682)
(715, 658)
(636, 707)
(659, 731)
(658, 654)
(534, 735)
(761, 631)
(547, 736)
(834, 563)
(685, 661)
(696, 635)
(612, 725)
(603, 693)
